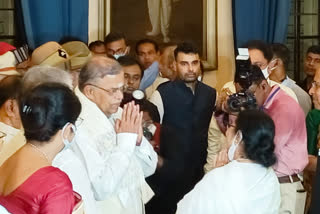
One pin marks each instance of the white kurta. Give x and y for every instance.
(236, 188)
(116, 166)
(152, 88)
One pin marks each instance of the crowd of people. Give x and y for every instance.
(107, 128)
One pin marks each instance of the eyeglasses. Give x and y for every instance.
(253, 89)
(315, 84)
(118, 51)
(112, 91)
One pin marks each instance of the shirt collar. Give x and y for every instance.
(268, 102)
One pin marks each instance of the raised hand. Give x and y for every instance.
(130, 120)
(222, 158)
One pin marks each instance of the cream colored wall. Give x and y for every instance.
(97, 24)
(226, 66)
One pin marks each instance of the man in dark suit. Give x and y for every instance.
(186, 105)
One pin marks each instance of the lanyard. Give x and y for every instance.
(270, 97)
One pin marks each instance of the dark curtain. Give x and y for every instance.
(54, 20)
(21, 37)
(260, 19)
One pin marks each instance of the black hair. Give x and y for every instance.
(261, 46)
(144, 41)
(127, 60)
(94, 44)
(282, 52)
(46, 108)
(258, 131)
(256, 74)
(314, 49)
(152, 109)
(10, 88)
(246, 77)
(187, 48)
(114, 36)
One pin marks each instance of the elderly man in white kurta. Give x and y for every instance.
(109, 140)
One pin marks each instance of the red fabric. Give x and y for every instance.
(5, 47)
(48, 190)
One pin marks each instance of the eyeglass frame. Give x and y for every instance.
(111, 91)
(315, 84)
(255, 89)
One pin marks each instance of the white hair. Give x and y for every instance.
(39, 74)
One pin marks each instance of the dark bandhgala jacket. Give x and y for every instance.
(189, 115)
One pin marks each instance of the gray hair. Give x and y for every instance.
(39, 74)
(97, 68)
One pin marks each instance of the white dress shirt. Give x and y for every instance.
(116, 166)
(236, 188)
(303, 97)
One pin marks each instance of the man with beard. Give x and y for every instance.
(186, 105)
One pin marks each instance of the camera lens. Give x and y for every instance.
(234, 104)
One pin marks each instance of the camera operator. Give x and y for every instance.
(260, 55)
(239, 101)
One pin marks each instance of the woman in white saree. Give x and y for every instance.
(247, 183)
